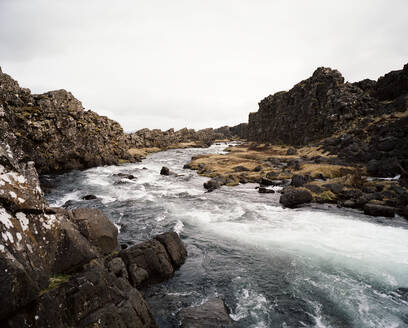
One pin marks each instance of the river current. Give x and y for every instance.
(274, 267)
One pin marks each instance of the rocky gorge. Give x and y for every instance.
(324, 141)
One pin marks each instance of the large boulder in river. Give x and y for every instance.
(159, 257)
(211, 314)
(165, 171)
(295, 196)
(97, 228)
(174, 247)
(379, 210)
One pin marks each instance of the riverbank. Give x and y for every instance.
(271, 265)
(306, 174)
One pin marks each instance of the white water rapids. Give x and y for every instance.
(275, 267)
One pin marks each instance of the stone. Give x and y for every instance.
(138, 275)
(118, 268)
(240, 168)
(125, 176)
(291, 152)
(335, 188)
(215, 183)
(152, 257)
(95, 226)
(165, 171)
(89, 197)
(212, 314)
(295, 197)
(313, 188)
(263, 190)
(379, 210)
(406, 211)
(300, 180)
(257, 168)
(174, 247)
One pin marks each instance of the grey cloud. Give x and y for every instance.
(162, 64)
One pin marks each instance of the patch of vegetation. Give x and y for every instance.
(327, 196)
(55, 282)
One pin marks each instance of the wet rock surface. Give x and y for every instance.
(295, 197)
(60, 268)
(211, 314)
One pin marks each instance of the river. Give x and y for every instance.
(274, 267)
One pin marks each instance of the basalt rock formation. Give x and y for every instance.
(362, 122)
(54, 130)
(312, 110)
(61, 268)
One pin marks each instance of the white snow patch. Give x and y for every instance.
(2, 248)
(2, 169)
(21, 200)
(23, 220)
(13, 194)
(5, 218)
(18, 235)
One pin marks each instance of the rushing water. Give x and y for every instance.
(274, 267)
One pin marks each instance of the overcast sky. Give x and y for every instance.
(194, 63)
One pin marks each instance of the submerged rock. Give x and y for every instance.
(212, 314)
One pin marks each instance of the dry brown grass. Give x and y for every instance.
(327, 170)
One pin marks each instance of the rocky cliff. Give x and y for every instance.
(364, 121)
(58, 267)
(54, 130)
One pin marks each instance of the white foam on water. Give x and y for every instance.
(178, 227)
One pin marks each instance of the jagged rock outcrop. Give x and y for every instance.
(363, 122)
(312, 110)
(54, 130)
(61, 268)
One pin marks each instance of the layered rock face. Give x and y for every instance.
(379, 141)
(54, 130)
(312, 110)
(364, 121)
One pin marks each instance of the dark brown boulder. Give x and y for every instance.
(296, 196)
(300, 180)
(151, 256)
(97, 228)
(174, 246)
(406, 211)
(263, 190)
(159, 257)
(165, 171)
(379, 210)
